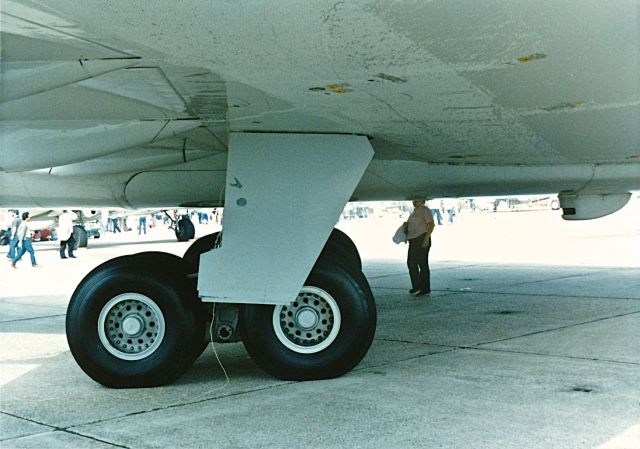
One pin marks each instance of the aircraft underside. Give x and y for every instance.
(282, 114)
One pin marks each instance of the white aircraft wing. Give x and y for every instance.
(282, 111)
(458, 98)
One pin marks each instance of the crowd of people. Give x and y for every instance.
(16, 232)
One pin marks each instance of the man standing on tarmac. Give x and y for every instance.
(420, 225)
(65, 233)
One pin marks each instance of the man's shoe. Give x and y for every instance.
(423, 293)
(13, 265)
(414, 291)
(35, 266)
(73, 257)
(63, 257)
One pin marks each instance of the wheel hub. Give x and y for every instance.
(310, 323)
(131, 326)
(307, 318)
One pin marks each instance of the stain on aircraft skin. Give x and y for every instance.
(339, 88)
(564, 106)
(505, 312)
(582, 389)
(336, 88)
(393, 79)
(533, 57)
(465, 156)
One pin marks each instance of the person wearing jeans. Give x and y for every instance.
(13, 234)
(25, 242)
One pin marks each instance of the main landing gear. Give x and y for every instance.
(183, 228)
(137, 321)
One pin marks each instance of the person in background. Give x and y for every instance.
(420, 225)
(435, 210)
(13, 233)
(65, 233)
(25, 242)
(142, 224)
(116, 226)
(450, 205)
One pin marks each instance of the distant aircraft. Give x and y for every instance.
(282, 112)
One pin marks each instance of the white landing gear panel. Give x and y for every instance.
(283, 196)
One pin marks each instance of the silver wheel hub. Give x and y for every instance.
(131, 326)
(307, 318)
(310, 323)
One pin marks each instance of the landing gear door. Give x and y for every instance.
(284, 194)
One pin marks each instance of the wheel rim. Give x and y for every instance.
(131, 326)
(310, 323)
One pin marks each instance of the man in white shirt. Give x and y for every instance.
(65, 233)
(420, 225)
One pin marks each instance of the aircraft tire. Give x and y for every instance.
(174, 265)
(157, 307)
(341, 247)
(185, 230)
(79, 237)
(335, 304)
(192, 255)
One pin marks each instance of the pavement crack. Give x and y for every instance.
(407, 359)
(559, 278)
(557, 356)
(180, 404)
(542, 295)
(396, 340)
(545, 331)
(54, 429)
(13, 415)
(94, 439)
(43, 317)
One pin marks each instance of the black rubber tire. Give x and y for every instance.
(185, 230)
(191, 259)
(341, 247)
(358, 315)
(168, 289)
(192, 255)
(173, 265)
(79, 237)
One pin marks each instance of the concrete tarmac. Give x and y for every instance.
(541, 352)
